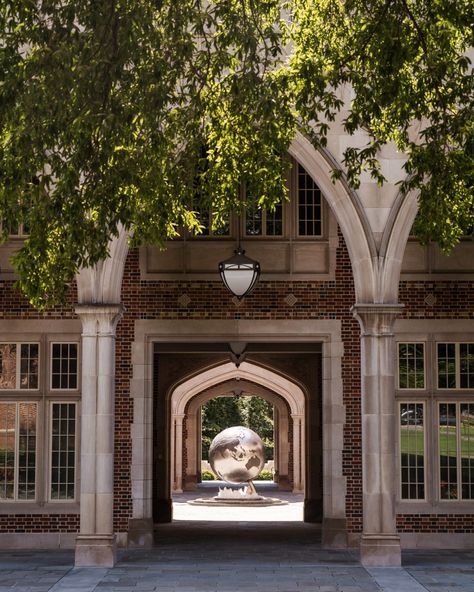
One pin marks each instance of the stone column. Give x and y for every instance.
(380, 544)
(178, 419)
(298, 457)
(95, 545)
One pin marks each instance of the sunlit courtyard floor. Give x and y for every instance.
(291, 512)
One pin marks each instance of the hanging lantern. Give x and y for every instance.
(239, 273)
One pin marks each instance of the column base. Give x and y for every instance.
(95, 550)
(378, 550)
(334, 533)
(140, 532)
(312, 510)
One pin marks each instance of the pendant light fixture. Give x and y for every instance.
(239, 273)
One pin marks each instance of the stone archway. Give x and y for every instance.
(283, 457)
(276, 383)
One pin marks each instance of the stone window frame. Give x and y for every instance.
(431, 332)
(44, 332)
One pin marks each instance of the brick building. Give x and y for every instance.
(362, 340)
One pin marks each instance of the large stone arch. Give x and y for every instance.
(281, 430)
(101, 284)
(394, 241)
(183, 393)
(348, 211)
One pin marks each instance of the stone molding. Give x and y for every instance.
(96, 543)
(377, 320)
(380, 544)
(195, 385)
(147, 332)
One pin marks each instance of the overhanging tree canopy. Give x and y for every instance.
(112, 111)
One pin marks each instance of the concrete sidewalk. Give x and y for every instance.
(199, 553)
(293, 568)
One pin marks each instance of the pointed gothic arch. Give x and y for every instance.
(191, 387)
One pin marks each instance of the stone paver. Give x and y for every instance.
(196, 554)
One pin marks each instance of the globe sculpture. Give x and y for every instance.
(237, 455)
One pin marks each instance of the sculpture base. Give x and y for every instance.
(219, 501)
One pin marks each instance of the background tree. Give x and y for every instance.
(249, 411)
(216, 415)
(112, 111)
(407, 64)
(105, 107)
(257, 414)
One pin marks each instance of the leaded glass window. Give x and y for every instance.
(411, 365)
(63, 451)
(18, 451)
(262, 222)
(309, 205)
(412, 451)
(19, 366)
(455, 365)
(456, 449)
(64, 368)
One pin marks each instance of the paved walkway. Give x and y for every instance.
(206, 551)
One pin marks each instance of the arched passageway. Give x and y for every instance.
(179, 394)
(186, 460)
(187, 398)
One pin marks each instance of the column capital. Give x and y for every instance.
(377, 320)
(99, 319)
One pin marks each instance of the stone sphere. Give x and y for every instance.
(236, 455)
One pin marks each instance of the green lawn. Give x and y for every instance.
(411, 440)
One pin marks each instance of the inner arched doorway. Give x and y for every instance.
(288, 402)
(289, 373)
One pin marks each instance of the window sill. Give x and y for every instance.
(14, 508)
(439, 507)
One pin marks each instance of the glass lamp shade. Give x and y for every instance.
(239, 273)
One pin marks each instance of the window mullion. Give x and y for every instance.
(18, 365)
(458, 365)
(17, 450)
(458, 446)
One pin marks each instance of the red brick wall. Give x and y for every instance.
(435, 523)
(454, 300)
(209, 300)
(39, 523)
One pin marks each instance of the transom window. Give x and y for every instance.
(19, 366)
(63, 366)
(455, 365)
(411, 365)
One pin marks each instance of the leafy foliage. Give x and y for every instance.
(412, 85)
(106, 106)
